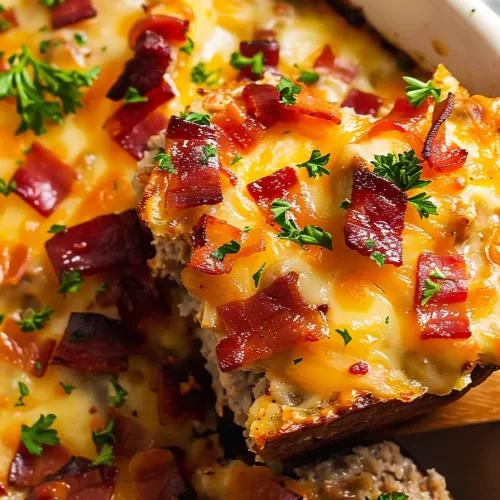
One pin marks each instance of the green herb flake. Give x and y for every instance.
(209, 151)
(345, 205)
(39, 434)
(57, 228)
(68, 389)
(5, 188)
(200, 74)
(2, 317)
(23, 392)
(288, 91)
(236, 159)
(437, 273)
(297, 361)
(256, 277)
(133, 95)
(387, 319)
(316, 164)
(44, 46)
(35, 320)
(51, 3)
(378, 257)
(198, 118)
(239, 61)
(103, 287)
(70, 282)
(417, 91)
(369, 244)
(188, 48)
(105, 457)
(105, 436)
(307, 76)
(164, 162)
(120, 396)
(345, 335)
(80, 38)
(247, 229)
(228, 248)
(432, 287)
(393, 495)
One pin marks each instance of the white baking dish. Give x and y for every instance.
(462, 34)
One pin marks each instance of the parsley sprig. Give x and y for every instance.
(209, 151)
(105, 439)
(6, 189)
(133, 95)
(35, 320)
(306, 75)
(418, 91)
(164, 162)
(432, 287)
(393, 495)
(232, 247)
(105, 457)
(316, 164)
(405, 170)
(70, 282)
(345, 335)
(239, 61)
(188, 47)
(288, 91)
(310, 235)
(38, 434)
(120, 396)
(51, 3)
(200, 74)
(198, 118)
(256, 276)
(31, 90)
(23, 392)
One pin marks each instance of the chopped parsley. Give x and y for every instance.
(345, 335)
(288, 91)
(80, 38)
(133, 95)
(200, 74)
(404, 170)
(247, 229)
(297, 361)
(120, 397)
(198, 118)
(386, 321)
(35, 320)
(369, 244)
(2, 317)
(51, 3)
(105, 457)
(232, 247)
(44, 46)
(256, 277)
(68, 389)
(393, 495)
(188, 48)
(61, 86)
(236, 159)
(437, 273)
(103, 287)
(310, 235)
(239, 61)
(472, 11)
(39, 434)
(5, 188)
(316, 164)
(164, 161)
(417, 91)
(56, 228)
(23, 392)
(307, 76)
(105, 436)
(77, 336)
(345, 205)
(432, 287)
(378, 257)
(209, 151)
(70, 282)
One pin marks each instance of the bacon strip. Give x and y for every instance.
(327, 63)
(13, 261)
(170, 28)
(101, 244)
(363, 103)
(444, 316)
(274, 319)
(375, 219)
(131, 437)
(197, 181)
(70, 12)
(210, 234)
(270, 187)
(43, 180)
(440, 155)
(270, 50)
(94, 343)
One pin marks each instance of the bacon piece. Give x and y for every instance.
(13, 261)
(274, 319)
(262, 102)
(172, 29)
(28, 470)
(363, 103)
(270, 50)
(101, 244)
(316, 107)
(157, 475)
(145, 70)
(43, 180)
(197, 181)
(444, 316)
(270, 187)
(359, 368)
(375, 219)
(440, 155)
(327, 63)
(94, 343)
(70, 12)
(126, 126)
(131, 437)
(77, 480)
(240, 127)
(184, 391)
(210, 234)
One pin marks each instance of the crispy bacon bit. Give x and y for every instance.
(359, 368)
(375, 219)
(363, 103)
(28, 470)
(241, 128)
(172, 29)
(262, 102)
(126, 126)
(210, 234)
(13, 261)
(101, 244)
(157, 475)
(274, 319)
(197, 181)
(440, 155)
(444, 315)
(184, 391)
(145, 70)
(316, 107)
(327, 63)
(273, 186)
(43, 180)
(131, 437)
(270, 50)
(92, 342)
(77, 480)
(70, 12)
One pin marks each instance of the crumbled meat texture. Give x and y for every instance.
(373, 470)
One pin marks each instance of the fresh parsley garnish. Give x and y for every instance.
(236, 159)
(68, 389)
(209, 151)
(200, 74)
(404, 170)
(23, 392)
(386, 321)
(35, 320)
(5, 188)
(188, 48)
(120, 397)
(418, 91)
(247, 229)
(105, 457)
(310, 235)
(44, 46)
(393, 495)
(198, 118)
(70, 282)
(369, 244)
(77, 336)
(38, 434)
(345, 335)
(164, 161)
(105, 436)
(133, 95)
(56, 228)
(316, 164)
(232, 247)
(297, 361)
(437, 273)
(239, 61)
(432, 287)
(80, 38)
(288, 91)
(51, 3)
(307, 76)
(256, 277)
(103, 287)
(378, 257)
(62, 87)
(345, 205)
